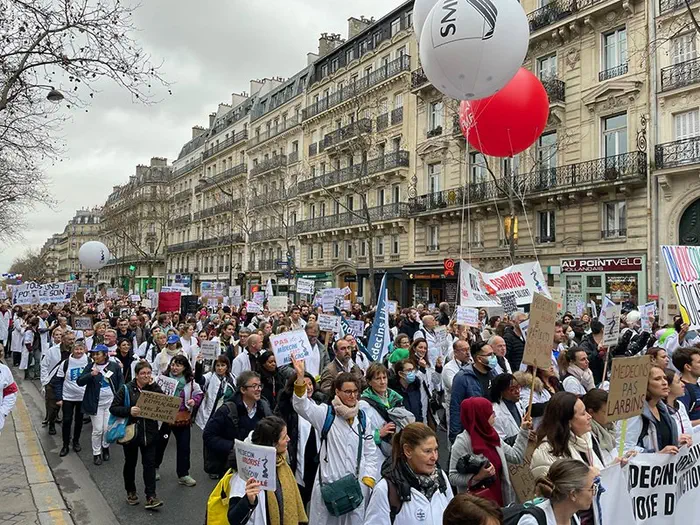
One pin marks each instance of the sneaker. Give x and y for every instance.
(157, 474)
(64, 451)
(214, 476)
(97, 460)
(153, 503)
(132, 498)
(187, 481)
(105, 454)
(77, 447)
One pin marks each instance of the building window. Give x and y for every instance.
(479, 173)
(324, 70)
(398, 100)
(380, 245)
(685, 125)
(348, 249)
(435, 116)
(683, 48)
(614, 49)
(547, 67)
(396, 193)
(336, 250)
(409, 19)
(363, 248)
(381, 192)
(320, 251)
(510, 166)
(349, 55)
(350, 202)
(547, 150)
(433, 237)
(615, 135)
(395, 245)
(310, 254)
(434, 177)
(614, 220)
(546, 226)
(395, 27)
(475, 235)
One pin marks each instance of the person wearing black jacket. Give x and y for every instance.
(515, 342)
(410, 325)
(305, 473)
(593, 345)
(145, 439)
(273, 379)
(408, 385)
(232, 421)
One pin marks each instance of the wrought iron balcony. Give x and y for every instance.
(222, 240)
(666, 6)
(613, 72)
(179, 222)
(382, 122)
(183, 247)
(267, 264)
(626, 167)
(680, 75)
(397, 116)
(677, 153)
(555, 11)
(275, 162)
(555, 88)
(359, 86)
(419, 79)
(267, 234)
(435, 132)
(274, 131)
(351, 131)
(227, 143)
(273, 196)
(351, 173)
(187, 168)
(222, 177)
(181, 195)
(293, 157)
(613, 234)
(396, 210)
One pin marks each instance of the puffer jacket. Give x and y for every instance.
(146, 429)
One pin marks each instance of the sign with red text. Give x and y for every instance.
(683, 265)
(291, 343)
(480, 289)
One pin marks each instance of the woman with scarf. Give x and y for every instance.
(415, 476)
(596, 402)
(162, 360)
(377, 400)
(479, 458)
(546, 385)
(249, 504)
(579, 378)
(126, 359)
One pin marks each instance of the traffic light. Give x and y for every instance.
(132, 268)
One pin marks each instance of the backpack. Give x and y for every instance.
(513, 513)
(217, 504)
(395, 502)
(330, 417)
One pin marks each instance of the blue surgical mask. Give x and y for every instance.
(493, 361)
(410, 377)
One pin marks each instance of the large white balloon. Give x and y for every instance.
(93, 255)
(421, 10)
(470, 49)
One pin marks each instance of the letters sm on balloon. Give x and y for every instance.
(509, 121)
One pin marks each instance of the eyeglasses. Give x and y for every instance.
(593, 488)
(350, 392)
(256, 386)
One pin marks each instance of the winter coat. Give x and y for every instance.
(641, 432)
(515, 348)
(465, 385)
(146, 429)
(93, 385)
(543, 458)
(595, 362)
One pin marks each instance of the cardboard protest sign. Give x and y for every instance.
(466, 315)
(210, 349)
(305, 286)
(329, 323)
(169, 302)
(284, 345)
(257, 462)
(611, 330)
(252, 307)
(278, 303)
(158, 406)
(146, 303)
(167, 384)
(628, 387)
(521, 476)
(540, 334)
(81, 323)
(259, 298)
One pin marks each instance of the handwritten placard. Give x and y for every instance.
(305, 286)
(210, 349)
(82, 323)
(611, 332)
(540, 334)
(628, 387)
(284, 345)
(158, 406)
(252, 307)
(329, 323)
(259, 298)
(167, 384)
(278, 303)
(468, 316)
(257, 462)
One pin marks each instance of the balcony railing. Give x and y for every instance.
(418, 78)
(680, 75)
(613, 72)
(274, 131)
(666, 6)
(352, 130)
(555, 11)
(183, 247)
(181, 221)
(351, 173)
(677, 153)
(382, 122)
(222, 177)
(187, 168)
(273, 196)
(266, 234)
(435, 132)
(613, 234)
(222, 240)
(276, 161)
(396, 210)
(267, 264)
(628, 166)
(182, 194)
(359, 86)
(293, 157)
(397, 116)
(556, 89)
(227, 143)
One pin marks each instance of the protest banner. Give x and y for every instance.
(3, 295)
(158, 406)
(683, 266)
(26, 293)
(305, 286)
(257, 462)
(356, 328)
(540, 334)
(169, 302)
(71, 288)
(628, 387)
(53, 293)
(466, 315)
(278, 303)
(252, 307)
(284, 345)
(521, 476)
(653, 489)
(259, 298)
(328, 299)
(135, 298)
(167, 384)
(210, 349)
(481, 289)
(329, 323)
(146, 303)
(81, 322)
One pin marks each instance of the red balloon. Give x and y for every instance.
(509, 121)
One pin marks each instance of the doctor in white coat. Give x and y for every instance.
(5, 317)
(338, 453)
(509, 412)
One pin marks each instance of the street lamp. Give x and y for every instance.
(229, 194)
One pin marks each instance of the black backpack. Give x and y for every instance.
(513, 513)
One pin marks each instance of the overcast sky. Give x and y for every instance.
(210, 49)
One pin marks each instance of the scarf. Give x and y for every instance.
(290, 499)
(345, 411)
(605, 437)
(426, 485)
(585, 377)
(392, 399)
(584, 446)
(165, 356)
(474, 415)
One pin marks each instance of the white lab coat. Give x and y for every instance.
(191, 348)
(212, 383)
(505, 425)
(338, 458)
(8, 394)
(5, 326)
(19, 328)
(241, 363)
(538, 397)
(417, 511)
(45, 344)
(573, 385)
(546, 506)
(374, 422)
(49, 360)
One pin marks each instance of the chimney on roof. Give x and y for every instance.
(238, 98)
(197, 131)
(357, 25)
(212, 118)
(328, 42)
(311, 58)
(255, 86)
(159, 162)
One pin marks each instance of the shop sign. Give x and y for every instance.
(425, 277)
(603, 264)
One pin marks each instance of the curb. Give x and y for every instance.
(50, 505)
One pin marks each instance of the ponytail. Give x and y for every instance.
(412, 435)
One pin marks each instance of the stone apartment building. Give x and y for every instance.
(61, 251)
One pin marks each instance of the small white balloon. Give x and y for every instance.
(93, 255)
(470, 49)
(421, 10)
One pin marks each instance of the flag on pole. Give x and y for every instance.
(379, 336)
(268, 289)
(345, 329)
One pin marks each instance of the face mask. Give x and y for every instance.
(410, 377)
(493, 361)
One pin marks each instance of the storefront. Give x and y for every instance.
(432, 282)
(395, 284)
(323, 279)
(622, 278)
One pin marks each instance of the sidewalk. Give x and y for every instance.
(28, 491)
